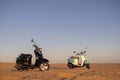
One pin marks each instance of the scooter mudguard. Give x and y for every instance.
(44, 60)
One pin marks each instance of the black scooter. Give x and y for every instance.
(23, 62)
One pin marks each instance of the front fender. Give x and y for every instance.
(44, 60)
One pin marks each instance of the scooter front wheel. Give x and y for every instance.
(88, 66)
(44, 66)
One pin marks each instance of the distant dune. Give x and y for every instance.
(61, 72)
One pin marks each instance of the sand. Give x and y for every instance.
(61, 72)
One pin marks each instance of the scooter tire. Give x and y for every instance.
(44, 66)
(70, 66)
(88, 66)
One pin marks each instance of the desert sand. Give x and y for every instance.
(61, 72)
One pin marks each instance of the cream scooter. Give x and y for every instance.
(73, 61)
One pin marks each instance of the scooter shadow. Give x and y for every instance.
(58, 68)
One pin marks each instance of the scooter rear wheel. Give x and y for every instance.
(44, 66)
(70, 65)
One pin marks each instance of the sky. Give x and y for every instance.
(60, 27)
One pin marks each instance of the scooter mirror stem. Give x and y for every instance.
(32, 40)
